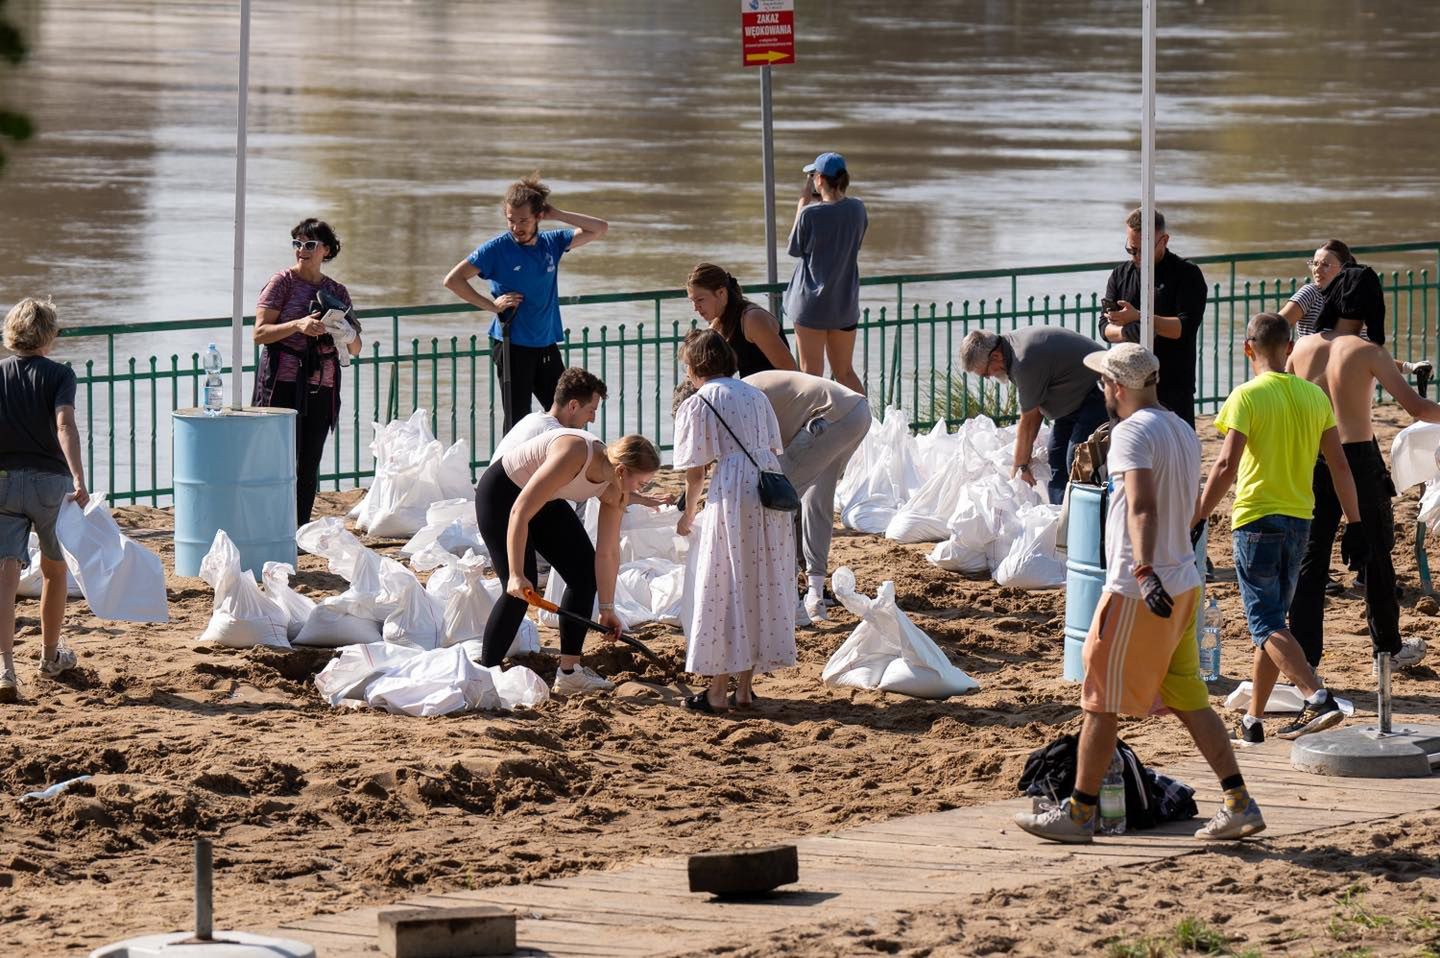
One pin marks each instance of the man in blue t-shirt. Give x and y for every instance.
(522, 266)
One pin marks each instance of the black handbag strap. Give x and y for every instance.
(730, 431)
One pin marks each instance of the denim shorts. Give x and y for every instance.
(1267, 563)
(30, 499)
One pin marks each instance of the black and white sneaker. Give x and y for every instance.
(1253, 734)
(1314, 718)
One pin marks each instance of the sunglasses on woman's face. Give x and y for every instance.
(306, 245)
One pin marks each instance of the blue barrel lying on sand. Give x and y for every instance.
(236, 472)
(1085, 573)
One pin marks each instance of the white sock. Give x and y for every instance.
(817, 585)
(1318, 697)
(1250, 721)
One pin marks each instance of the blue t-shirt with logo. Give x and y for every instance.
(530, 271)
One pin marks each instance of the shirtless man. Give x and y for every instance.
(1347, 367)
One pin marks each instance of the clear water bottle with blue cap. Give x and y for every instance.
(1112, 798)
(1210, 643)
(214, 385)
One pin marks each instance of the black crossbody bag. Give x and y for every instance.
(776, 491)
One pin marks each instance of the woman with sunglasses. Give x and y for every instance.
(1305, 306)
(300, 364)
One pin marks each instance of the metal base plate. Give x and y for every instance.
(1363, 752)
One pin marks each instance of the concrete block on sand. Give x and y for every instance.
(750, 871)
(446, 932)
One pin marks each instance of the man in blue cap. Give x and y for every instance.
(823, 298)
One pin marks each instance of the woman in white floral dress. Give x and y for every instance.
(739, 615)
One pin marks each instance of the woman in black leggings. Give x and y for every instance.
(524, 500)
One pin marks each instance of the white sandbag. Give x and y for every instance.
(1413, 454)
(468, 596)
(329, 539)
(32, 580)
(647, 533)
(953, 555)
(888, 652)
(244, 616)
(880, 477)
(452, 524)
(926, 517)
(120, 579)
(1033, 561)
(1283, 698)
(330, 628)
(435, 682)
(649, 590)
(418, 618)
(1430, 506)
(297, 607)
(412, 471)
(935, 449)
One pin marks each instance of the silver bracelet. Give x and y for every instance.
(607, 606)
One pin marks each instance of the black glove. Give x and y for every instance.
(1196, 533)
(1154, 593)
(1354, 546)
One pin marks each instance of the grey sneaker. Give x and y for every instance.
(1056, 825)
(9, 687)
(63, 662)
(1313, 718)
(1228, 826)
(1412, 652)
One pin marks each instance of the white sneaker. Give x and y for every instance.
(802, 617)
(580, 680)
(1412, 651)
(9, 687)
(814, 609)
(63, 662)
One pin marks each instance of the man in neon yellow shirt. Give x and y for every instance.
(1274, 425)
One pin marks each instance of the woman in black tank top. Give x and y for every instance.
(751, 331)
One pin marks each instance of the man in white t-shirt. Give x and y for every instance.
(1141, 650)
(578, 395)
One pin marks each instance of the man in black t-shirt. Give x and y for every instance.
(1180, 295)
(40, 467)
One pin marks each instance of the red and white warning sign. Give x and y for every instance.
(767, 32)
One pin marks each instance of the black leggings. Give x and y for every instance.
(557, 533)
(534, 370)
(311, 429)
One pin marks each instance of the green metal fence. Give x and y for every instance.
(910, 331)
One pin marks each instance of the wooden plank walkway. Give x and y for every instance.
(646, 909)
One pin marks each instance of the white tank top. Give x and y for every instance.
(522, 462)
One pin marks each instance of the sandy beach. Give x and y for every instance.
(315, 809)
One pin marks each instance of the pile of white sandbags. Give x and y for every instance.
(407, 681)
(412, 471)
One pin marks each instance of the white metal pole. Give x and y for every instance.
(767, 153)
(1147, 177)
(237, 296)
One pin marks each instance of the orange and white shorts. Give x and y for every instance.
(1136, 662)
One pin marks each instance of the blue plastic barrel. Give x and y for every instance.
(1084, 576)
(236, 472)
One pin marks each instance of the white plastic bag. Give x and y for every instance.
(329, 539)
(297, 607)
(330, 627)
(1033, 561)
(355, 615)
(887, 651)
(1283, 698)
(1413, 455)
(32, 580)
(649, 590)
(120, 579)
(412, 471)
(953, 555)
(468, 596)
(244, 616)
(452, 524)
(417, 619)
(880, 477)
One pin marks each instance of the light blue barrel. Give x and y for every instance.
(236, 472)
(1084, 573)
(1085, 576)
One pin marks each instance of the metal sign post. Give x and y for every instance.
(1147, 177)
(767, 37)
(237, 296)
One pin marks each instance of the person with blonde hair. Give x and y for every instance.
(522, 265)
(40, 467)
(523, 500)
(739, 609)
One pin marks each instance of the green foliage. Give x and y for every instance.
(1192, 934)
(1141, 948)
(13, 126)
(952, 399)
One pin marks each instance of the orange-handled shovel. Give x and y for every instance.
(540, 602)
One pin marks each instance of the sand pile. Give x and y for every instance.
(317, 809)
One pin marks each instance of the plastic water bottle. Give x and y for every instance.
(214, 386)
(1112, 798)
(1210, 643)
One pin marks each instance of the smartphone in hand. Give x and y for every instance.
(1109, 306)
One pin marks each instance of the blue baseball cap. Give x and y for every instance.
(827, 164)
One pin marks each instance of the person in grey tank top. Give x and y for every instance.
(823, 298)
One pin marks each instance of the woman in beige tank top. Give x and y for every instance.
(522, 504)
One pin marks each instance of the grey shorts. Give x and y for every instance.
(30, 499)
